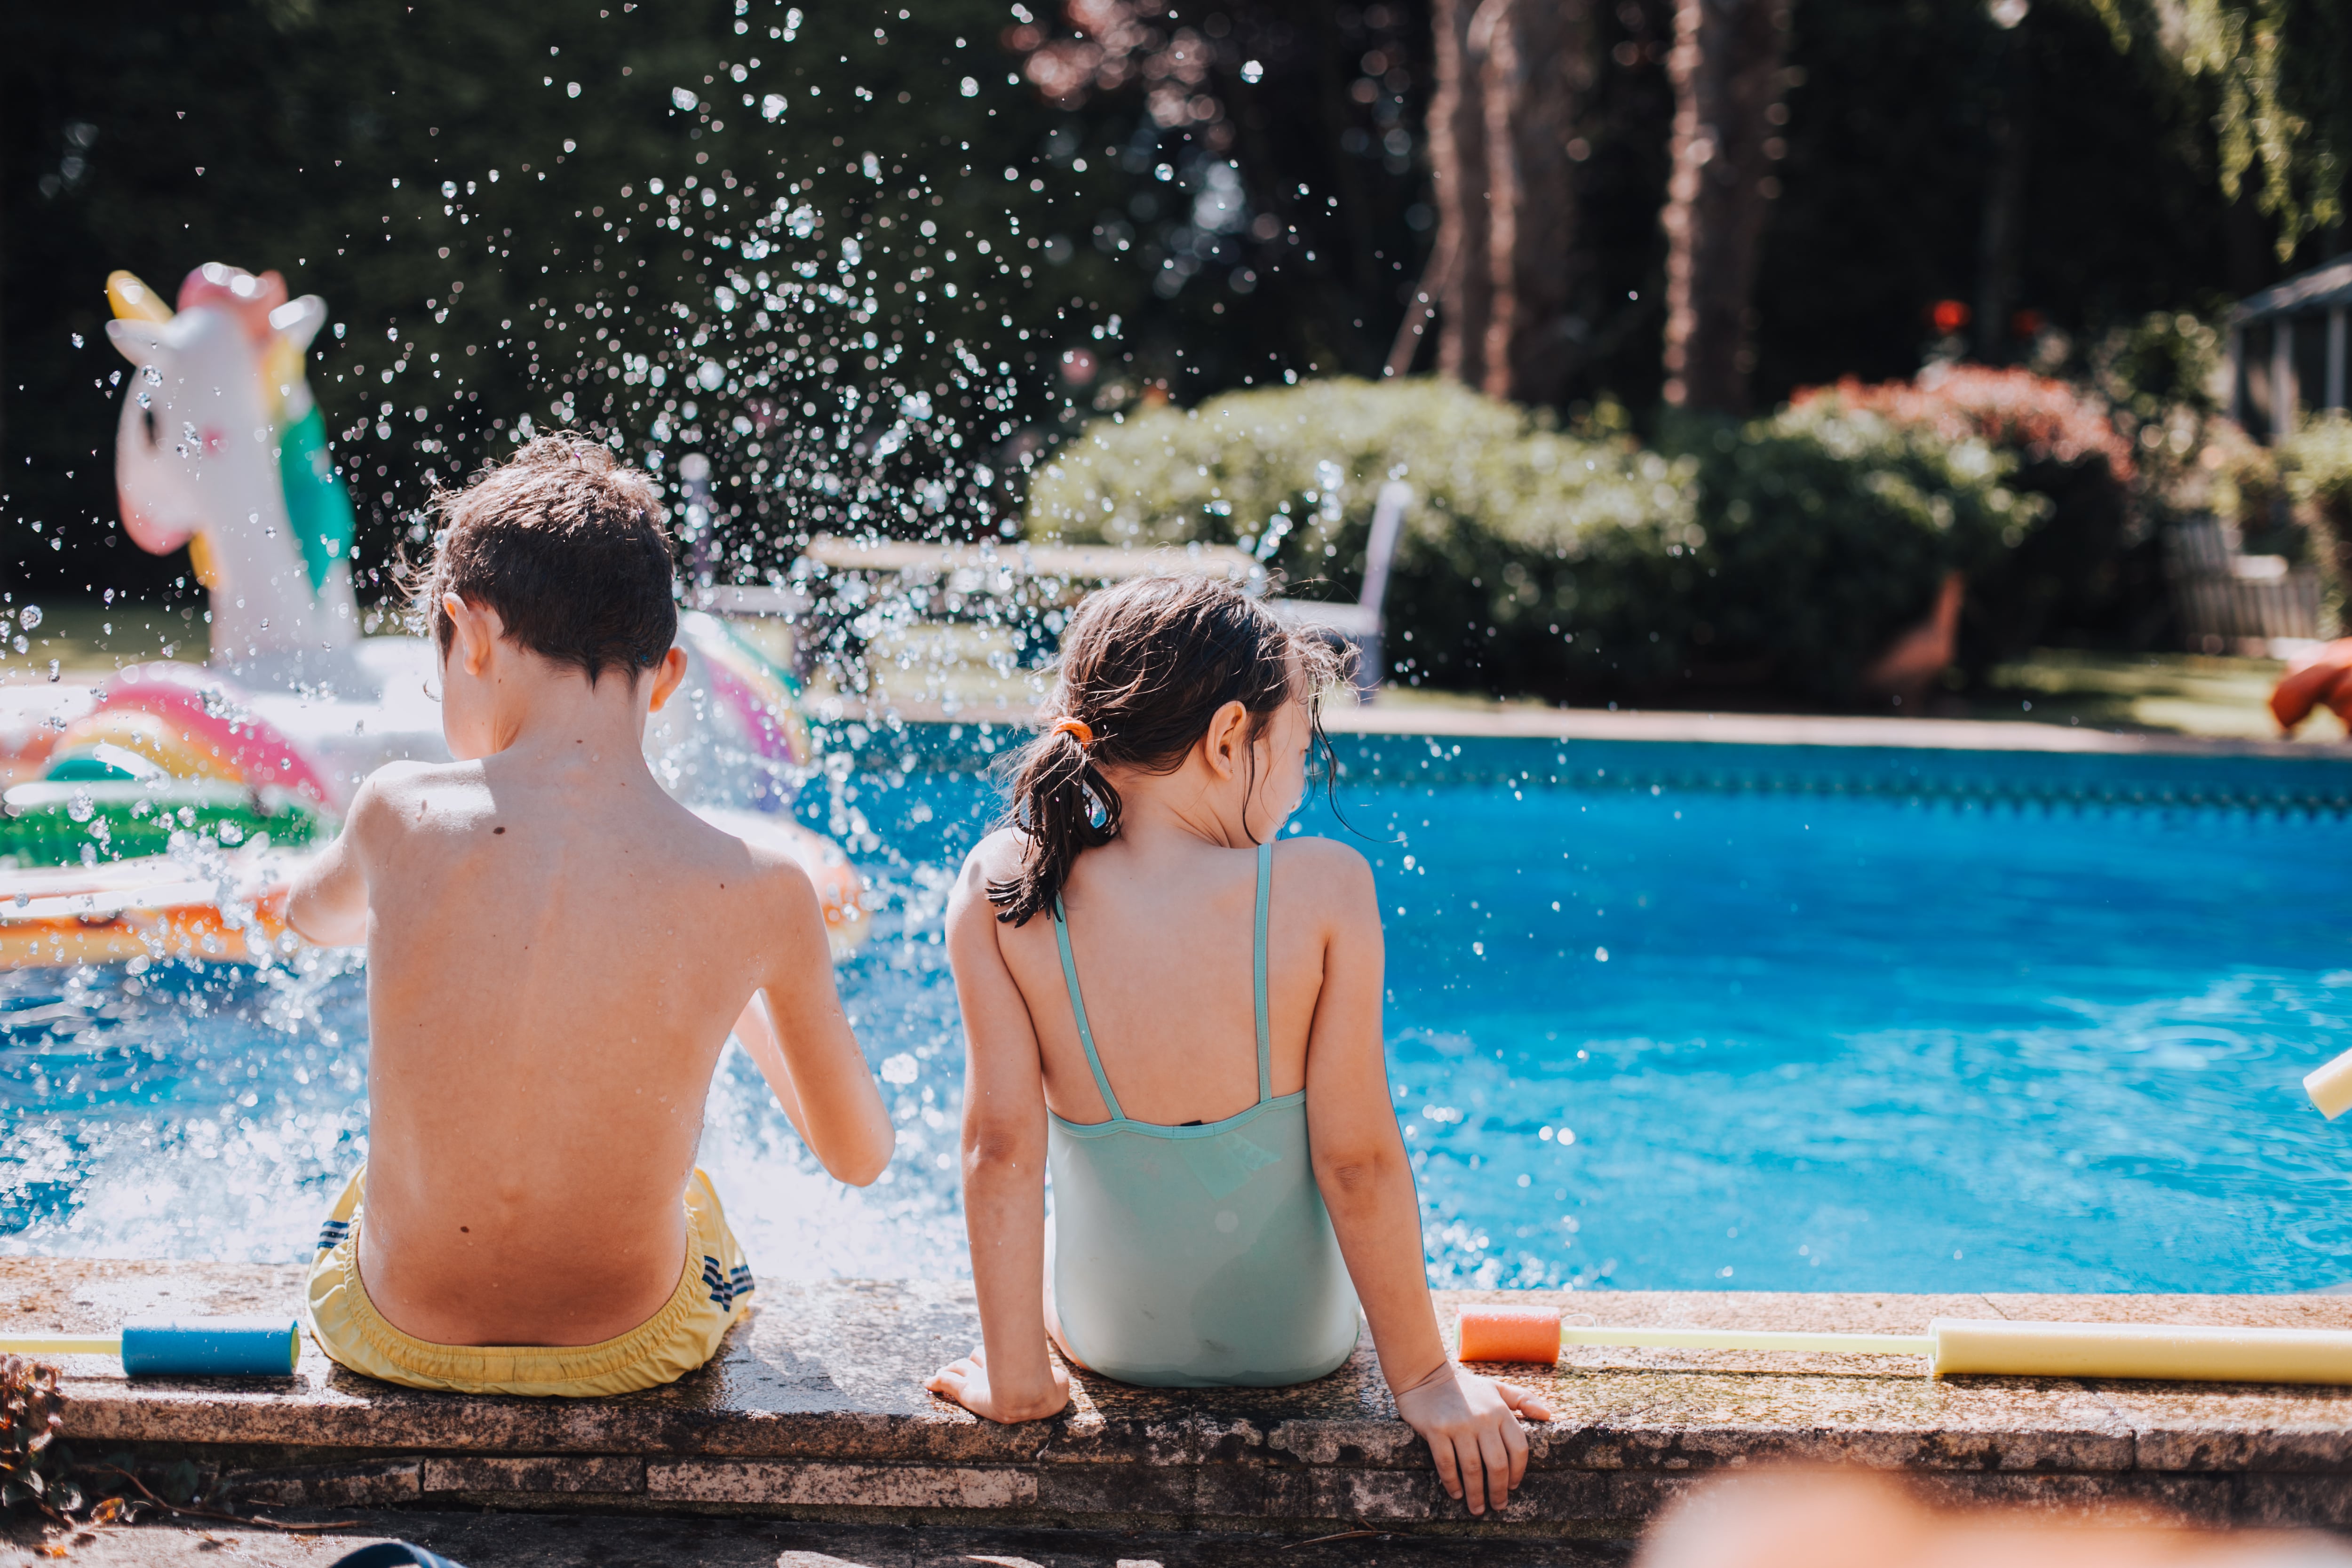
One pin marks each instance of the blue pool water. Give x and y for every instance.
(1660, 1017)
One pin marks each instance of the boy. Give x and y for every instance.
(556, 950)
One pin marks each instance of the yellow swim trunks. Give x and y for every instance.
(713, 1293)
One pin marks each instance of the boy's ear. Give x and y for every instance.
(476, 628)
(667, 676)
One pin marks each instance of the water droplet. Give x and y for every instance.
(29, 616)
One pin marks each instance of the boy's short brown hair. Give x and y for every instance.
(566, 543)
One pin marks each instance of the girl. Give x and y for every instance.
(1180, 1019)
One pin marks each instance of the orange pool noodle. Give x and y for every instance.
(1509, 1333)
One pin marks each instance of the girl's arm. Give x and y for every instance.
(1366, 1179)
(1012, 1378)
(801, 1041)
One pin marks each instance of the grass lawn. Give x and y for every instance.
(2174, 693)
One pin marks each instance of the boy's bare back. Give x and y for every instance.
(556, 954)
(556, 951)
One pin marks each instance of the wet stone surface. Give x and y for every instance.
(576, 1541)
(816, 1410)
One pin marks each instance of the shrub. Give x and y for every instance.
(1830, 529)
(1783, 554)
(2159, 375)
(2315, 464)
(2040, 419)
(1518, 533)
(2076, 576)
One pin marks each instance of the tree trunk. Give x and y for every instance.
(1725, 70)
(1461, 281)
(2004, 200)
(1510, 77)
(1536, 70)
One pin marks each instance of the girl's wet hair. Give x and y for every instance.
(1144, 668)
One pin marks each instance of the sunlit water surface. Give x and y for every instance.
(1702, 1036)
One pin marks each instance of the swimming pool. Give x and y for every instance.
(1661, 1016)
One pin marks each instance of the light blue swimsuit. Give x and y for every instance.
(1200, 1255)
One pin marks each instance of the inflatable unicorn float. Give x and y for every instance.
(161, 813)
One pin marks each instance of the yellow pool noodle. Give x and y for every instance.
(2330, 1086)
(61, 1344)
(1999, 1347)
(2174, 1352)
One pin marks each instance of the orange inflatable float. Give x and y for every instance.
(58, 916)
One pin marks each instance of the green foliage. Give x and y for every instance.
(1780, 554)
(1828, 530)
(1508, 544)
(2148, 369)
(1891, 155)
(2077, 577)
(509, 213)
(2284, 108)
(2316, 466)
(572, 213)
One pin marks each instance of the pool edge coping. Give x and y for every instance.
(1851, 731)
(815, 1411)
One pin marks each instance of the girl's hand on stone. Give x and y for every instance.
(966, 1382)
(1472, 1424)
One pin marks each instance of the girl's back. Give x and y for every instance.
(1173, 1006)
(1161, 936)
(1159, 1006)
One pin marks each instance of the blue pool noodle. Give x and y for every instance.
(211, 1347)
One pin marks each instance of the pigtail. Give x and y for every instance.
(1057, 791)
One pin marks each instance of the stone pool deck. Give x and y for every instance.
(816, 1413)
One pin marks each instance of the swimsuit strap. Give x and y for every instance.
(1078, 1006)
(1265, 1035)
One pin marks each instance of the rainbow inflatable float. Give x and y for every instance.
(161, 814)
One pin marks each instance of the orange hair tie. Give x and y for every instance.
(1077, 727)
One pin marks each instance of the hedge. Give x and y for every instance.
(1778, 555)
(2073, 576)
(2316, 466)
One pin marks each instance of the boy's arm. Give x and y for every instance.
(1012, 1378)
(1366, 1180)
(803, 1044)
(327, 901)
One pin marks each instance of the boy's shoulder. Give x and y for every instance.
(404, 795)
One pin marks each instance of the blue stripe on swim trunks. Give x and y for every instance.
(726, 1288)
(331, 1234)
